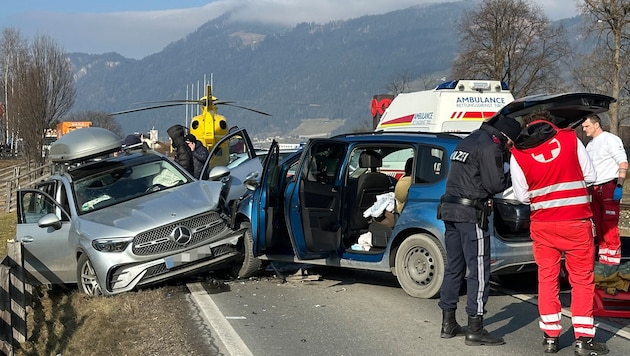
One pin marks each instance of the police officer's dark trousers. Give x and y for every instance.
(467, 246)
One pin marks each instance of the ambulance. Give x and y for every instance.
(458, 106)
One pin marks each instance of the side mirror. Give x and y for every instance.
(49, 220)
(219, 173)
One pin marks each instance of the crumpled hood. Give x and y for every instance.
(152, 210)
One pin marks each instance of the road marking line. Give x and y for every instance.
(225, 332)
(615, 330)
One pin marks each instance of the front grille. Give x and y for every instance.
(158, 241)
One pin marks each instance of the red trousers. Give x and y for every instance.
(574, 239)
(606, 219)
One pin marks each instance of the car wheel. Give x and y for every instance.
(86, 277)
(249, 265)
(419, 266)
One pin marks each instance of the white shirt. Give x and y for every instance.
(519, 183)
(607, 152)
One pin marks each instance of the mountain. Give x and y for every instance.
(335, 67)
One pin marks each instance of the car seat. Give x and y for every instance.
(402, 186)
(369, 185)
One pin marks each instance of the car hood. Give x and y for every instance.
(152, 210)
(568, 109)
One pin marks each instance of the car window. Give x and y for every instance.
(34, 207)
(430, 165)
(238, 151)
(394, 162)
(230, 153)
(324, 163)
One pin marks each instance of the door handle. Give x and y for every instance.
(26, 239)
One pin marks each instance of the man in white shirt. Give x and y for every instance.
(611, 163)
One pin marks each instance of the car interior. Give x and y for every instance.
(376, 172)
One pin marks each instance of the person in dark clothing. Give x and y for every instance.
(199, 154)
(131, 140)
(479, 170)
(182, 152)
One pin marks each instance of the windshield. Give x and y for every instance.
(122, 181)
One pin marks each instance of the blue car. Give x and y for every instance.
(327, 204)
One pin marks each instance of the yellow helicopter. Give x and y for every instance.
(209, 126)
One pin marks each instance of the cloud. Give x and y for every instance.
(136, 34)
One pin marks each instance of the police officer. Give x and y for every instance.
(478, 171)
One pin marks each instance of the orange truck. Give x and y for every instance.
(67, 126)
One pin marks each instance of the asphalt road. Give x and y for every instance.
(363, 313)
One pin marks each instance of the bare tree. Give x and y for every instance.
(608, 21)
(98, 119)
(45, 93)
(13, 54)
(401, 83)
(512, 41)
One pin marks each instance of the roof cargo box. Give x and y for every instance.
(84, 144)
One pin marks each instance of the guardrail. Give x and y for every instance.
(15, 296)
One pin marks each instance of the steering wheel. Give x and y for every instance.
(154, 188)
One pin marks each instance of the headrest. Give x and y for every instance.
(408, 166)
(370, 159)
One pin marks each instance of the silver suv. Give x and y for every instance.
(112, 219)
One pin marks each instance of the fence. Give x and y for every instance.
(18, 176)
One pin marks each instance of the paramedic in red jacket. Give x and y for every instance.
(550, 171)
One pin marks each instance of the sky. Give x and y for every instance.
(138, 28)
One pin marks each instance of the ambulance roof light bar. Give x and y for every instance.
(477, 85)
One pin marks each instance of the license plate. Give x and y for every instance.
(188, 257)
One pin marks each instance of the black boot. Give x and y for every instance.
(450, 327)
(476, 335)
(587, 347)
(550, 344)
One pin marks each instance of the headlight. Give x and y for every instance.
(111, 245)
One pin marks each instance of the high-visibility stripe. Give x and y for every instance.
(609, 251)
(551, 318)
(557, 203)
(557, 188)
(582, 320)
(480, 271)
(585, 331)
(550, 327)
(609, 259)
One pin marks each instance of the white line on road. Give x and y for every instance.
(224, 331)
(615, 330)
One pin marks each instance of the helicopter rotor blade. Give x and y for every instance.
(180, 101)
(146, 108)
(245, 108)
(222, 102)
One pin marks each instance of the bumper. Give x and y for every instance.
(120, 278)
